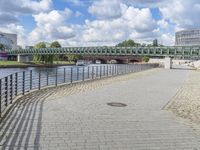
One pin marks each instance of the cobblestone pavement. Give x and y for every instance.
(77, 117)
(186, 102)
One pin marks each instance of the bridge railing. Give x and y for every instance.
(21, 83)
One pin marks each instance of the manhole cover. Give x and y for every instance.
(114, 104)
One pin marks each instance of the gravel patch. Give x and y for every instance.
(186, 103)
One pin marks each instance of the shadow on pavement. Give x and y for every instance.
(21, 127)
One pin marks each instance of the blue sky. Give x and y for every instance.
(97, 22)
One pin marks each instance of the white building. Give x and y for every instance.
(8, 40)
(188, 37)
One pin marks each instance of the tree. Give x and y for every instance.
(55, 44)
(2, 46)
(40, 45)
(128, 43)
(73, 57)
(145, 59)
(39, 57)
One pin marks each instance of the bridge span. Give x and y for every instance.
(129, 53)
(170, 51)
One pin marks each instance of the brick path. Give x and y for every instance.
(78, 118)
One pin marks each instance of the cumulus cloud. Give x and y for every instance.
(183, 13)
(131, 23)
(112, 21)
(105, 9)
(25, 6)
(7, 19)
(52, 26)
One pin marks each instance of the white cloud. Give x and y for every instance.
(183, 13)
(167, 39)
(133, 23)
(51, 26)
(106, 9)
(10, 10)
(25, 6)
(112, 21)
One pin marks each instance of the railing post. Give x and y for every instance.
(6, 91)
(104, 70)
(64, 75)
(110, 69)
(39, 80)
(83, 73)
(97, 70)
(107, 70)
(71, 75)
(92, 72)
(56, 82)
(88, 72)
(31, 79)
(47, 78)
(11, 88)
(100, 71)
(0, 97)
(16, 83)
(77, 73)
(23, 83)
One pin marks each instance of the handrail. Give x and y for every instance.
(20, 83)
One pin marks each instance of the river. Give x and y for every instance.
(7, 71)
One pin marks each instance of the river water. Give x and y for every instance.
(7, 71)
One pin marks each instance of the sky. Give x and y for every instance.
(97, 22)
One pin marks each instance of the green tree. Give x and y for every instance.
(2, 46)
(128, 43)
(39, 57)
(73, 57)
(40, 45)
(55, 44)
(145, 59)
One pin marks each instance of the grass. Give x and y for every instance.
(15, 63)
(10, 63)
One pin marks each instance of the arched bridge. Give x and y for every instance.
(170, 51)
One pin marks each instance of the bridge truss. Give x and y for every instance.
(170, 51)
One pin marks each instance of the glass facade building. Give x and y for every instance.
(8, 40)
(187, 37)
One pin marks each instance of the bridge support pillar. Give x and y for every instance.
(23, 58)
(168, 62)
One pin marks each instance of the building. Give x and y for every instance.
(188, 37)
(3, 56)
(8, 40)
(155, 42)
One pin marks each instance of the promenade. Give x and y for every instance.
(77, 117)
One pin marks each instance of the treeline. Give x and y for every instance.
(132, 43)
(50, 58)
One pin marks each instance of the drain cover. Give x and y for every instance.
(114, 104)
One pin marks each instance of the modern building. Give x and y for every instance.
(188, 37)
(155, 42)
(8, 40)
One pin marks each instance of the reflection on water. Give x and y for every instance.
(7, 71)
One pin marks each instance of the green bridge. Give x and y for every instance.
(169, 51)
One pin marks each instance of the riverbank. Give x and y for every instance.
(15, 64)
(186, 103)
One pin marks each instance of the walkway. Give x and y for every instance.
(78, 118)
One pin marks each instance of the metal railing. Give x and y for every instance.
(24, 82)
